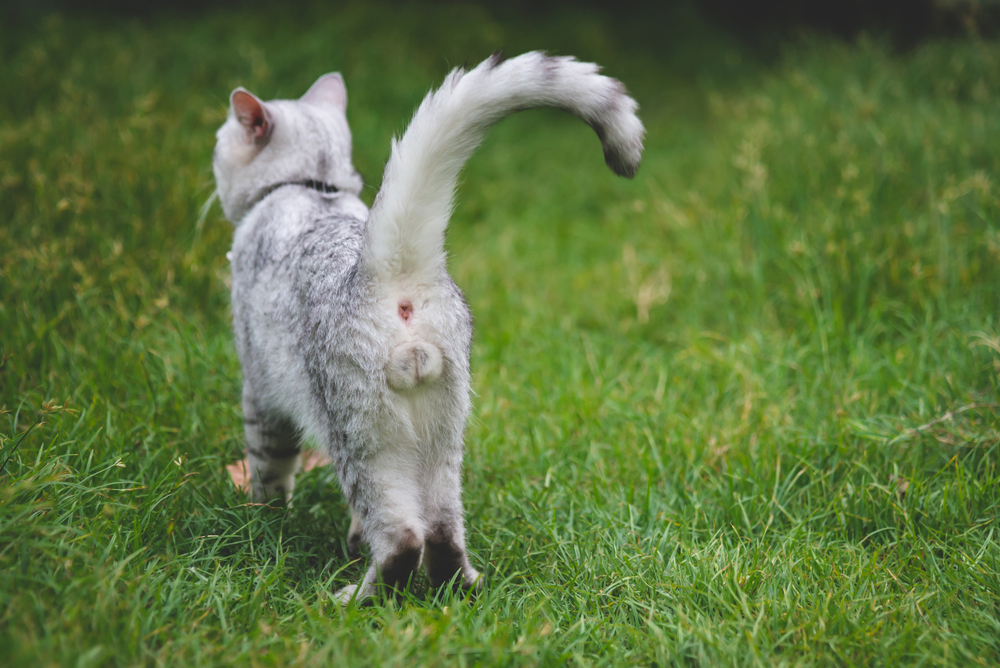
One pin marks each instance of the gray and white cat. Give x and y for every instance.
(349, 328)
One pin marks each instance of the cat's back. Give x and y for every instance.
(294, 233)
(295, 251)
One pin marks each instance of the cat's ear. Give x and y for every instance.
(329, 89)
(252, 114)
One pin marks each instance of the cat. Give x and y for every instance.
(348, 327)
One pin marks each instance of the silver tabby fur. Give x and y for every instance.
(349, 328)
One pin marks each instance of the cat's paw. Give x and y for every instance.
(413, 363)
(266, 490)
(472, 580)
(355, 594)
(345, 595)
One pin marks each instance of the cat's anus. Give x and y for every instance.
(349, 329)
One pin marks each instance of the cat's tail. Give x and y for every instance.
(406, 226)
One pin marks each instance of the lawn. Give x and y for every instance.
(741, 410)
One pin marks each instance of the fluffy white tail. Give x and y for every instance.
(406, 226)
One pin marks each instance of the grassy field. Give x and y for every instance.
(742, 410)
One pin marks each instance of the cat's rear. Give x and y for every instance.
(348, 326)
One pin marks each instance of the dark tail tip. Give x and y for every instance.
(621, 165)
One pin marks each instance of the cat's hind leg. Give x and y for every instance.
(386, 504)
(396, 553)
(444, 544)
(273, 449)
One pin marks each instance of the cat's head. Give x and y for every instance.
(262, 144)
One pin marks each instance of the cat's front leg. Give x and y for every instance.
(354, 537)
(273, 450)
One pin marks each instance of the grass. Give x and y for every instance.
(741, 410)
